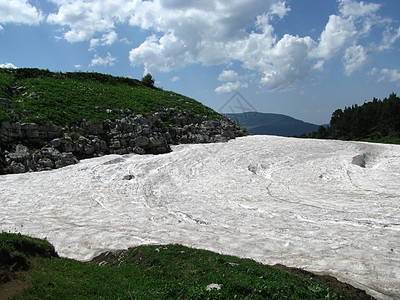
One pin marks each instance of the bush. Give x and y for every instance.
(148, 80)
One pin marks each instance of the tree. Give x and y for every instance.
(148, 80)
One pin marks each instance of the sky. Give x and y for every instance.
(302, 58)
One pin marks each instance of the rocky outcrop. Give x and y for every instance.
(26, 147)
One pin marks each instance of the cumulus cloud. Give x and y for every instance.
(85, 18)
(390, 36)
(288, 64)
(231, 82)
(354, 59)
(230, 87)
(352, 8)
(337, 35)
(107, 39)
(280, 9)
(8, 66)
(161, 55)
(109, 60)
(20, 12)
(175, 78)
(217, 32)
(228, 75)
(391, 75)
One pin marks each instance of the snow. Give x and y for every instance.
(299, 202)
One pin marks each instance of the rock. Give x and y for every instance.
(55, 142)
(45, 164)
(50, 152)
(92, 128)
(20, 155)
(33, 95)
(69, 158)
(116, 144)
(128, 177)
(88, 150)
(139, 150)
(213, 286)
(142, 142)
(67, 146)
(16, 168)
(140, 134)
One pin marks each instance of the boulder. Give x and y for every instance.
(30, 130)
(16, 168)
(142, 142)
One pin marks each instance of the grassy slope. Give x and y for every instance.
(162, 272)
(59, 98)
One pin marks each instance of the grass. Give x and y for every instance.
(167, 272)
(383, 140)
(62, 98)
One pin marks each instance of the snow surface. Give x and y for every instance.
(298, 202)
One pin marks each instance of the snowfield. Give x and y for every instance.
(330, 207)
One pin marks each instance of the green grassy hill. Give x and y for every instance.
(60, 98)
(30, 269)
(273, 124)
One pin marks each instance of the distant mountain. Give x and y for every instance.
(272, 124)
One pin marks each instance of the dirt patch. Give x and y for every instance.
(12, 282)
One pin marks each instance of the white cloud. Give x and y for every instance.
(85, 18)
(175, 78)
(390, 75)
(161, 55)
(109, 60)
(20, 12)
(319, 65)
(288, 63)
(107, 39)
(228, 75)
(229, 87)
(351, 8)
(337, 35)
(373, 71)
(8, 66)
(279, 9)
(354, 58)
(390, 36)
(217, 32)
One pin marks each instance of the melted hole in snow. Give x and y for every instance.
(359, 160)
(256, 169)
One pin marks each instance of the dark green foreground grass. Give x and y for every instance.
(159, 272)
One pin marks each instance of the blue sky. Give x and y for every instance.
(303, 58)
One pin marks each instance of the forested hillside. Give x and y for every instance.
(272, 124)
(378, 121)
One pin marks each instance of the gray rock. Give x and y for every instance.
(17, 167)
(139, 150)
(69, 158)
(45, 164)
(142, 142)
(55, 142)
(30, 130)
(21, 153)
(92, 128)
(128, 177)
